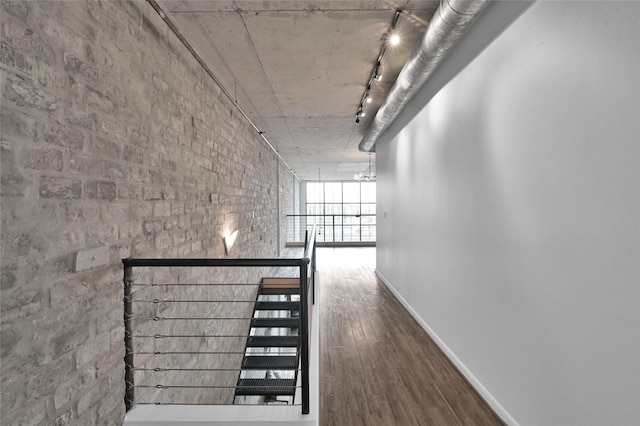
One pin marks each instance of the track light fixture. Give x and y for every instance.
(390, 37)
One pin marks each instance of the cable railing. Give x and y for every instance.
(211, 332)
(332, 228)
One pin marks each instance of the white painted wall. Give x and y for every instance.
(509, 215)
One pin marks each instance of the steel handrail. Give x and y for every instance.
(205, 262)
(307, 284)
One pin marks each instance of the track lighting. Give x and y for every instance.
(391, 37)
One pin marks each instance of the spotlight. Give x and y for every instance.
(389, 37)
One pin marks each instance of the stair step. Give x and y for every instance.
(272, 341)
(280, 286)
(267, 291)
(266, 387)
(276, 322)
(270, 362)
(277, 306)
(280, 282)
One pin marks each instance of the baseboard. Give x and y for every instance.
(473, 381)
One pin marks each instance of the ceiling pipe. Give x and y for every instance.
(215, 79)
(450, 21)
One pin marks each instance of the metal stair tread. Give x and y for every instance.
(278, 290)
(280, 362)
(266, 387)
(272, 341)
(276, 305)
(276, 322)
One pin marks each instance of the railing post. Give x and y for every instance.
(333, 224)
(304, 336)
(128, 356)
(313, 274)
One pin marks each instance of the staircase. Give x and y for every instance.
(269, 367)
(275, 362)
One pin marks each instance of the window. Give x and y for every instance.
(342, 211)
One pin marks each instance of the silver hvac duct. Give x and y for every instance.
(449, 23)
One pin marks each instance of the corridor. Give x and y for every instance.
(377, 365)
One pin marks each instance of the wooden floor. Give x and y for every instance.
(377, 365)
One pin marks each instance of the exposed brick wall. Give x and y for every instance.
(288, 185)
(114, 144)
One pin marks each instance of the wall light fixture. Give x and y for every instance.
(229, 240)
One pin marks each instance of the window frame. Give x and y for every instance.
(338, 225)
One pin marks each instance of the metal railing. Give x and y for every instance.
(332, 228)
(187, 323)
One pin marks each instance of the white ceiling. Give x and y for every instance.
(299, 69)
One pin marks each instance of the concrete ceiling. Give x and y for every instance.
(299, 68)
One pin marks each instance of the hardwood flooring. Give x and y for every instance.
(377, 365)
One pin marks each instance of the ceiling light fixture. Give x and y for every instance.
(367, 177)
(390, 37)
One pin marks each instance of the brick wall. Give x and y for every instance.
(114, 144)
(288, 187)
